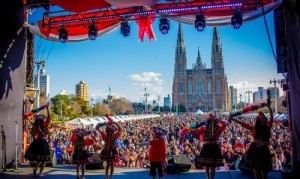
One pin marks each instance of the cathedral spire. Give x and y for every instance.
(199, 64)
(216, 53)
(180, 49)
(180, 34)
(199, 61)
(216, 36)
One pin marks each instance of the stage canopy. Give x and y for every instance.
(88, 19)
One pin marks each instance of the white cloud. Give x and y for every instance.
(150, 80)
(97, 94)
(242, 88)
(146, 77)
(244, 85)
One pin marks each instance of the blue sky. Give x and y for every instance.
(128, 65)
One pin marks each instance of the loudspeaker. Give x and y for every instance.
(97, 162)
(178, 163)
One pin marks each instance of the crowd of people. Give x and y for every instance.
(234, 142)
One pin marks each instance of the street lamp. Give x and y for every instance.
(39, 63)
(158, 99)
(249, 92)
(244, 92)
(92, 107)
(61, 103)
(146, 95)
(241, 106)
(274, 81)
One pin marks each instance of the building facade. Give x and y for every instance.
(273, 91)
(260, 95)
(233, 98)
(167, 101)
(200, 87)
(81, 90)
(44, 82)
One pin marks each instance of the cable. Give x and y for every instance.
(38, 47)
(268, 33)
(44, 49)
(49, 51)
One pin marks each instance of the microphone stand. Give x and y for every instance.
(3, 147)
(16, 169)
(15, 161)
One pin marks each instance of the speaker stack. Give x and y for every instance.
(97, 162)
(178, 164)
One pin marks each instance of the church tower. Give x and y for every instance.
(219, 79)
(179, 94)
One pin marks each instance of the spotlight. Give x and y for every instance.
(93, 32)
(63, 35)
(164, 25)
(200, 22)
(125, 29)
(237, 20)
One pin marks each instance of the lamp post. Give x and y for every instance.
(249, 92)
(39, 63)
(146, 96)
(92, 107)
(241, 106)
(274, 81)
(158, 99)
(245, 92)
(61, 117)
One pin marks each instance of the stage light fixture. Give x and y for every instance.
(93, 32)
(200, 22)
(63, 35)
(237, 20)
(164, 25)
(125, 29)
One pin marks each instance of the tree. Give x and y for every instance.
(181, 108)
(120, 106)
(101, 110)
(138, 107)
(43, 98)
(80, 107)
(61, 105)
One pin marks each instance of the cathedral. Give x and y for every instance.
(200, 87)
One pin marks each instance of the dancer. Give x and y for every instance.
(39, 150)
(210, 155)
(258, 156)
(80, 140)
(157, 152)
(109, 152)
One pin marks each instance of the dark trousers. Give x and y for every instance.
(158, 166)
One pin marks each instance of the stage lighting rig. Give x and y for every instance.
(125, 29)
(164, 25)
(200, 22)
(62, 35)
(93, 32)
(237, 20)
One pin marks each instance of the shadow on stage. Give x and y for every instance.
(69, 172)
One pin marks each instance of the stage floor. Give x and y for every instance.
(69, 172)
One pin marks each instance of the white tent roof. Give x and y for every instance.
(199, 112)
(94, 121)
(79, 122)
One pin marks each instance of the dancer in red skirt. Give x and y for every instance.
(80, 140)
(39, 150)
(109, 152)
(210, 155)
(258, 155)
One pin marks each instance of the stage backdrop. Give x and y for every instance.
(12, 76)
(293, 44)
